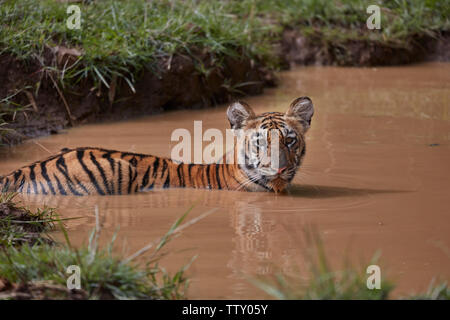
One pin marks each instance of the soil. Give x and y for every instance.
(173, 84)
(297, 49)
(42, 290)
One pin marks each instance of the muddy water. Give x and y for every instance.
(376, 177)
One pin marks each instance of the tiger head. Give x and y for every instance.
(273, 143)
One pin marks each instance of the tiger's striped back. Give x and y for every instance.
(86, 171)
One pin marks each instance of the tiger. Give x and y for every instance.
(96, 171)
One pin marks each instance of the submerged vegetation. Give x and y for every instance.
(222, 42)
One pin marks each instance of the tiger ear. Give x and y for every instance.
(302, 109)
(239, 112)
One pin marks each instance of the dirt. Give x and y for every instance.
(297, 49)
(175, 83)
(41, 290)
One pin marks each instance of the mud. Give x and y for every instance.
(298, 49)
(173, 83)
(43, 290)
(375, 178)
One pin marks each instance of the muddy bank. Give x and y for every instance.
(298, 49)
(42, 290)
(44, 107)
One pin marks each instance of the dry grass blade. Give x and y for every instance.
(66, 105)
(32, 100)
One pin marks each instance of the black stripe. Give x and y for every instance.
(131, 177)
(62, 167)
(189, 171)
(258, 182)
(60, 187)
(80, 154)
(46, 177)
(180, 175)
(167, 182)
(107, 156)
(6, 185)
(163, 170)
(42, 187)
(33, 178)
(81, 185)
(21, 184)
(155, 167)
(164, 167)
(218, 177)
(102, 172)
(111, 161)
(17, 175)
(133, 162)
(303, 152)
(119, 171)
(145, 178)
(208, 167)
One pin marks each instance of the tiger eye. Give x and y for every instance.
(289, 141)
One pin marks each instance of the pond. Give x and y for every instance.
(375, 177)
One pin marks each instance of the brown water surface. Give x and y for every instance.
(376, 177)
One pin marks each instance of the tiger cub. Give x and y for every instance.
(96, 171)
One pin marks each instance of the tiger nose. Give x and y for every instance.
(281, 170)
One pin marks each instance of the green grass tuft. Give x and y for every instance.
(323, 282)
(39, 271)
(19, 225)
(121, 38)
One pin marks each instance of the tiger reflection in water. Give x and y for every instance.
(254, 240)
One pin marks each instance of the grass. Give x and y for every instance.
(19, 225)
(346, 19)
(38, 270)
(121, 38)
(325, 283)
(436, 291)
(8, 111)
